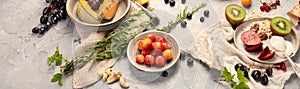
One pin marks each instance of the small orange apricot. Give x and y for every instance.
(246, 2)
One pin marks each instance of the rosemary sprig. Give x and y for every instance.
(180, 17)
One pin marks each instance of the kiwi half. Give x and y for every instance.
(280, 26)
(235, 14)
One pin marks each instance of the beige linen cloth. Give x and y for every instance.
(214, 47)
(93, 70)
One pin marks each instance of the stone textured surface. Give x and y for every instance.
(23, 55)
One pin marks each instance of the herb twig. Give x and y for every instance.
(180, 17)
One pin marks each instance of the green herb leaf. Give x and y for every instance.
(56, 57)
(240, 76)
(241, 85)
(227, 75)
(56, 77)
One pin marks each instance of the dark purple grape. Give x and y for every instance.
(59, 1)
(58, 16)
(166, 1)
(46, 10)
(43, 19)
(256, 75)
(58, 5)
(264, 79)
(269, 72)
(63, 14)
(48, 25)
(241, 66)
(189, 16)
(47, 1)
(45, 27)
(246, 74)
(172, 3)
(164, 74)
(54, 19)
(35, 30)
(54, 11)
(42, 30)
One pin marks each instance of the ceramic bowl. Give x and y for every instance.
(84, 29)
(133, 51)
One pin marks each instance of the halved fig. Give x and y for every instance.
(250, 38)
(254, 47)
(266, 54)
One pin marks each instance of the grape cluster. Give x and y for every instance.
(267, 7)
(256, 74)
(55, 12)
(262, 78)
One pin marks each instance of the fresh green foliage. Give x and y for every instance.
(55, 58)
(227, 75)
(240, 75)
(57, 78)
(68, 67)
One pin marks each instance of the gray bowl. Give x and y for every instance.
(84, 29)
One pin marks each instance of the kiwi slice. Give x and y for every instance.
(235, 14)
(280, 26)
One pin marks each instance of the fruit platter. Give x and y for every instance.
(266, 46)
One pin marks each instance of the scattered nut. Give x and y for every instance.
(123, 82)
(105, 76)
(117, 72)
(113, 78)
(108, 71)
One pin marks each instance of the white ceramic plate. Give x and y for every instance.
(292, 37)
(132, 51)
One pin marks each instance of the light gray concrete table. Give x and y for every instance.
(23, 55)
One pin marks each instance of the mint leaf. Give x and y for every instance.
(240, 76)
(241, 85)
(56, 77)
(56, 57)
(227, 75)
(58, 60)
